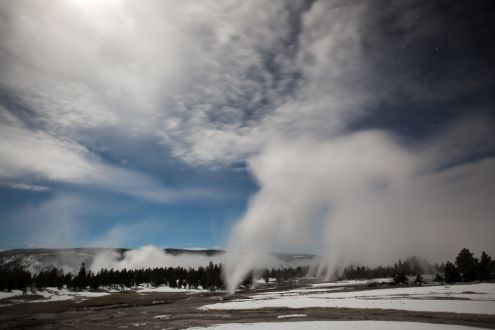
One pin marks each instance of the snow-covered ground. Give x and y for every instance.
(288, 316)
(55, 294)
(8, 294)
(352, 282)
(147, 288)
(49, 294)
(262, 280)
(338, 325)
(466, 298)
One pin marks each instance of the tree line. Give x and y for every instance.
(412, 266)
(13, 275)
(465, 268)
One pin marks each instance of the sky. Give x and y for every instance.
(301, 126)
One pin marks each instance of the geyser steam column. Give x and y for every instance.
(304, 182)
(376, 200)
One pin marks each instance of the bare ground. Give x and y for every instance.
(180, 310)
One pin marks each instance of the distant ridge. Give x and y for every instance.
(171, 251)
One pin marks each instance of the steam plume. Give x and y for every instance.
(373, 199)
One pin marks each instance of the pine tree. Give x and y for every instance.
(451, 273)
(80, 281)
(484, 268)
(438, 278)
(400, 278)
(248, 281)
(467, 265)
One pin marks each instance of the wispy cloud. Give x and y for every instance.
(39, 155)
(24, 186)
(211, 80)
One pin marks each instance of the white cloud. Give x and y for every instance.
(24, 186)
(212, 80)
(35, 154)
(26, 152)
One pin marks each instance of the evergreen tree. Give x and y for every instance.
(80, 282)
(484, 269)
(266, 275)
(438, 278)
(451, 273)
(467, 265)
(400, 278)
(248, 281)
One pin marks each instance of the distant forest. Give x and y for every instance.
(466, 268)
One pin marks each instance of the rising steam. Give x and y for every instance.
(373, 199)
(149, 256)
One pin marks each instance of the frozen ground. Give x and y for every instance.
(181, 309)
(352, 282)
(47, 295)
(8, 294)
(290, 316)
(339, 325)
(55, 294)
(467, 298)
(147, 288)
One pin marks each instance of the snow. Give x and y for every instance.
(468, 298)
(352, 282)
(165, 316)
(290, 316)
(8, 294)
(299, 291)
(262, 280)
(338, 325)
(51, 294)
(55, 294)
(146, 289)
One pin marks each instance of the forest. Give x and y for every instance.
(13, 275)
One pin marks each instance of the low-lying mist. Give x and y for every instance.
(151, 256)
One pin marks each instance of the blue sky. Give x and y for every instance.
(244, 124)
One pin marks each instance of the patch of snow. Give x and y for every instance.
(144, 289)
(299, 291)
(290, 315)
(62, 297)
(338, 325)
(468, 298)
(352, 282)
(9, 294)
(53, 294)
